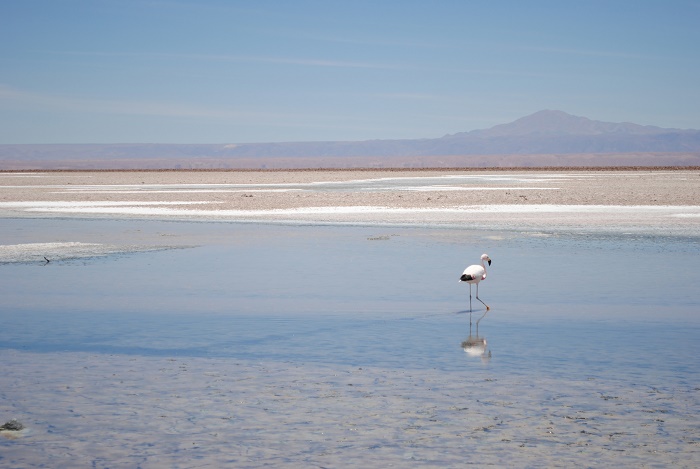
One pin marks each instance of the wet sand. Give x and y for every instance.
(120, 411)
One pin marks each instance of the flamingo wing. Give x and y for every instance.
(473, 273)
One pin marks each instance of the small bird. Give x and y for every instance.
(475, 274)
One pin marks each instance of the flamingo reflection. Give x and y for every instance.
(475, 345)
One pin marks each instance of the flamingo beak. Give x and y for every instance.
(489, 261)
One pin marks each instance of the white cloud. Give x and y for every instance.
(409, 96)
(243, 58)
(586, 52)
(14, 97)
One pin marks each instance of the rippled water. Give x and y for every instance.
(345, 346)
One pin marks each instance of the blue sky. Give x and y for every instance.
(215, 71)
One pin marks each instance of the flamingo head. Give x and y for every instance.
(485, 257)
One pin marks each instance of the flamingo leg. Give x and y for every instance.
(470, 297)
(477, 297)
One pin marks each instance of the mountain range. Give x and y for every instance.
(543, 132)
(545, 138)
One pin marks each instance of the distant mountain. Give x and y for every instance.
(559, 132)
(542, 132)
(558, 122)
(545, 138)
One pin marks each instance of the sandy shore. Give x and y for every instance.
(430, 196)
(643, 187)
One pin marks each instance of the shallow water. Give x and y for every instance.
(325, 345)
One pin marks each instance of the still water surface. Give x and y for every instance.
(588, 355)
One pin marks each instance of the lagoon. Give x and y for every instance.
(251, 344)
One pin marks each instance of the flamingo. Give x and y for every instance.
(475, 274)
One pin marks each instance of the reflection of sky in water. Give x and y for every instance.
(588, 332)
(354, 286)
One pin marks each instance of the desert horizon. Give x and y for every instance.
(473, 162)
(543, 139)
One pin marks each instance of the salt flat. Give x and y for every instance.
(632, 200)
